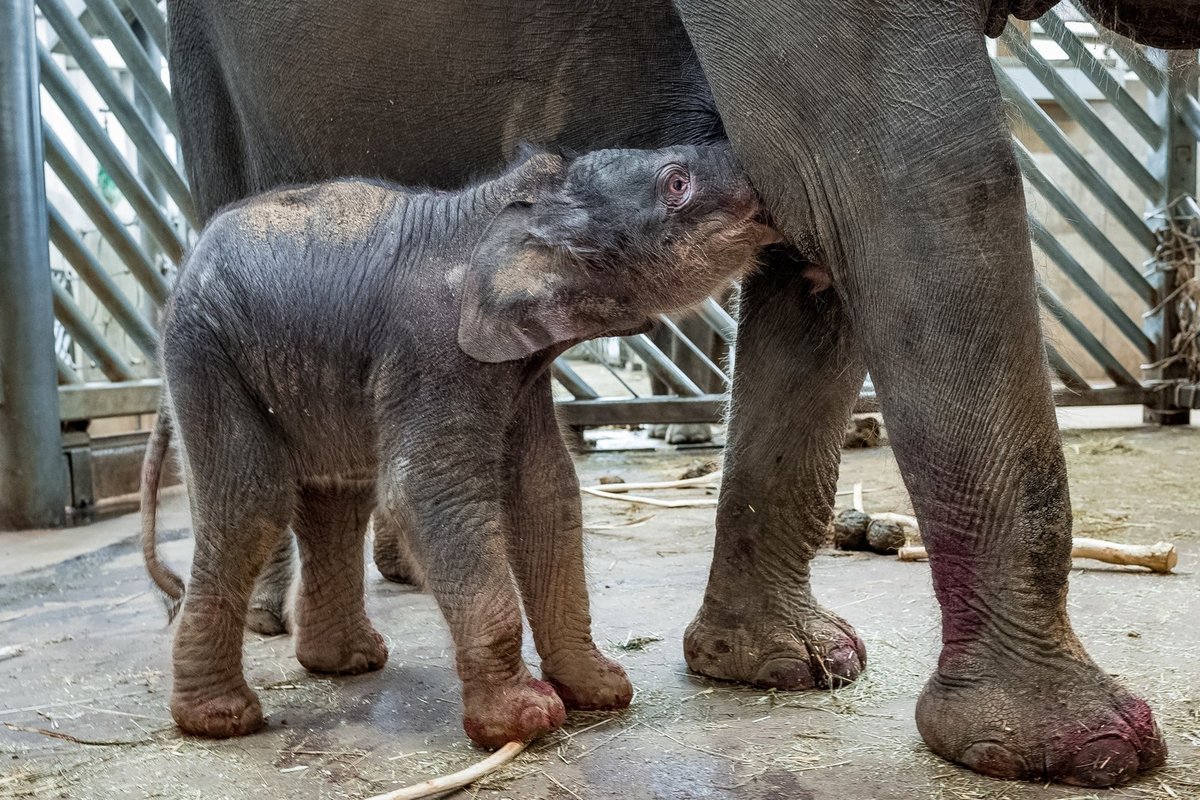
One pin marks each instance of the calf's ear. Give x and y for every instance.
(523, 295)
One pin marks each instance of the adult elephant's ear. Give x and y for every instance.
(523, 295)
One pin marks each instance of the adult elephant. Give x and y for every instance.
(874, 132)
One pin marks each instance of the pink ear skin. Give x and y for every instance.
(819, 276)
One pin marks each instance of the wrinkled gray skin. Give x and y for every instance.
(876, 133)
(352, 347)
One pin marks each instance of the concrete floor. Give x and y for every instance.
(93, 663)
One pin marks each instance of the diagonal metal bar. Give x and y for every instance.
(565, 374)
(1100, 77)
(77, 42)
(149, 213)
(1189, 111)
(152, 20)
(1078, 220)
(670, 325)
(1081, 112)
(72, 176)
(719, 320)
(136, 327)
(1129, 52)
(1087, 284)
(1058, 143)
(1065, 372)
(110, 362)
(136, 61)
(66, 373)
(1107, 361)
(661, 366)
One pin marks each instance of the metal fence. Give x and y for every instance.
(98, 214)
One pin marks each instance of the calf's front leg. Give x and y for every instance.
(545, 546)
(443, 485)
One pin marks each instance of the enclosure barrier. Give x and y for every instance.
(104, 363)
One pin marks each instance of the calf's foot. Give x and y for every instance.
(812, 649)
(1060, 719)
(235, 712)
(588, 681)
(350, 652)
(494, 715)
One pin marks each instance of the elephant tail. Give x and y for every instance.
(152, 466)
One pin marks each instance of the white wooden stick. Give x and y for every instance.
(456, 780)
(1159, 557)
(701, 480)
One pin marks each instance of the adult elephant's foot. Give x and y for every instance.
(688, 433)
(349, 651)
(1058, 719)
(235, 712)
(812, 649)
(588, 681)
(494, 715)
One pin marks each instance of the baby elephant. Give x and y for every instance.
(356, 347)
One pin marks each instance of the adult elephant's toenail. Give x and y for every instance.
(995, 760)
(788, 674)
(1104, 762)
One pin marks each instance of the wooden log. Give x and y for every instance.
(1159, 557)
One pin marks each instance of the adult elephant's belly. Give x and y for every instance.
(436, 93)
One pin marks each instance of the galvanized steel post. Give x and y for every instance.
(33, 487)
(1174, 162)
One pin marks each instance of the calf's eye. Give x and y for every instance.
(674, 186)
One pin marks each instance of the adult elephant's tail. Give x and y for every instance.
(152, 466)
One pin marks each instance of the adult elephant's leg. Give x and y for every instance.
(796, 380)
(892, 147)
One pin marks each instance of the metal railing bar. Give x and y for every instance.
(153, 21)
(1078, 220)
(602, 361)
(149, 213)
(1189, 110)
(1107, 361)
(661, 366)
(719, 320)
(565, 374)
(136, 61)
(1081, 112)
(90, 271)
(110, 362)
(66, 373)
(1101, 78)
(98, 211)
(1129, 52)
(1058, 143)
(1065, 372)
(670, 325)
(76, 40)
(1088, 285)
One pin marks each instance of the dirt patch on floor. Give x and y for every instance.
(94, 665)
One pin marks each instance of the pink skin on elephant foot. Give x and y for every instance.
(348, 653)
(235, 713)
(591, 682)
(1066, 722)
(522, 712)
(813, 650)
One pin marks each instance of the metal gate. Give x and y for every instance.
(96, 209)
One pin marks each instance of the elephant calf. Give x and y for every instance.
(354, 347)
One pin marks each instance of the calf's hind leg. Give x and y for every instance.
(333, 633)
(241, 504)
